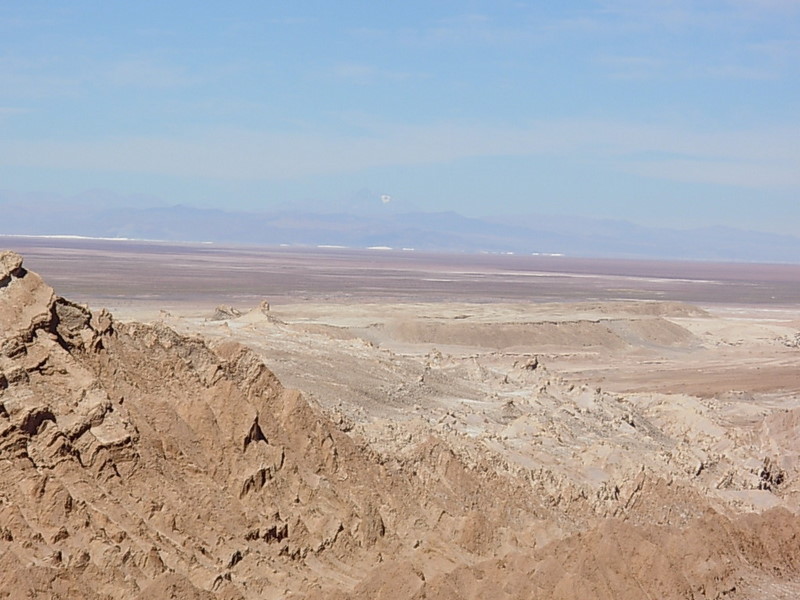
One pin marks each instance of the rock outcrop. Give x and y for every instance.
(139, 463)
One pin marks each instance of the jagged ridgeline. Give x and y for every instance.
(138, 463)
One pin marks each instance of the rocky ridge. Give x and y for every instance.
(136, 462)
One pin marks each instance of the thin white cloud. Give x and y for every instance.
(290, 21)
(632, 17)
(471, 29)
(364, 74)
(149, 74)
(780, 50)
(779, 6)
(37, 78)
(730, 173)
(631, 67)
(12, 110)
(680, 16)
(54, 77)
(745, 158)
(740, 72)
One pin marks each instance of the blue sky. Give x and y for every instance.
(661, 112)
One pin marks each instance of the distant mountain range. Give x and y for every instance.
(428, 231)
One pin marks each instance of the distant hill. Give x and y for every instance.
(430, 231)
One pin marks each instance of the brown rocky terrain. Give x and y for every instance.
(435, 450)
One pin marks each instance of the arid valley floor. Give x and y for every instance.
(462, 427)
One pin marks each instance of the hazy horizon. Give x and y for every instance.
(363, 225)
(664, 114)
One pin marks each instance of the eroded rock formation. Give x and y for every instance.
(139, 463)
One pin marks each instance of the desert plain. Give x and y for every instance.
(206, 421)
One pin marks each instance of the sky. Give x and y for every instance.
(672, 113)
